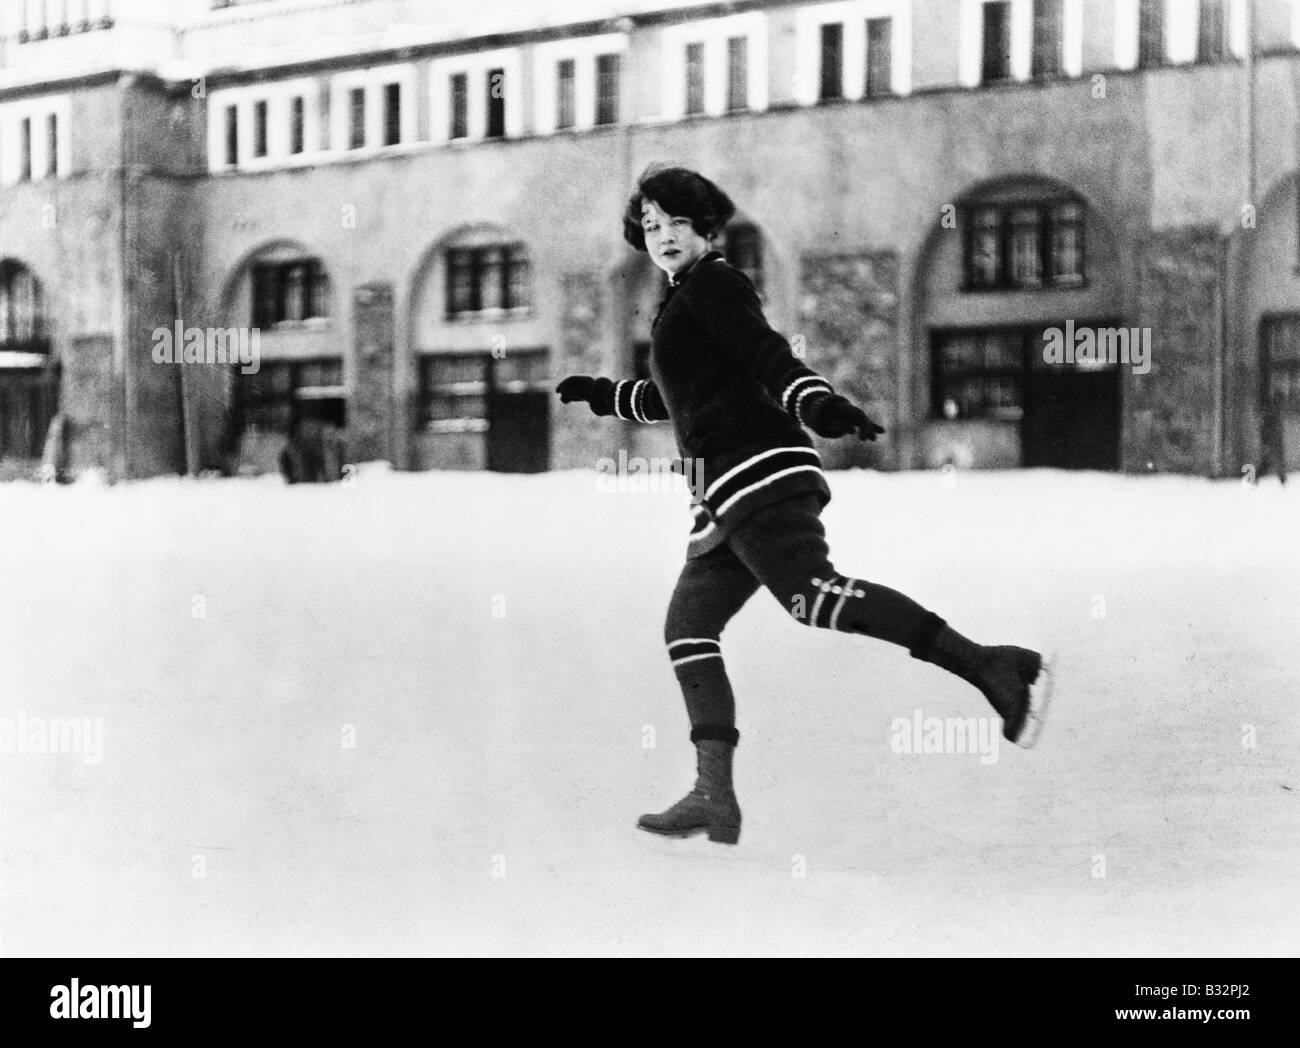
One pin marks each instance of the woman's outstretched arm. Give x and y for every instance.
(634, 400)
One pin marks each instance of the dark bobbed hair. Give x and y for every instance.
(678, 191)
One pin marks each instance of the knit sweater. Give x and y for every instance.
(733, 390)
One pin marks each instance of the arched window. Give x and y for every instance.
(487, 278)
(288, 289)
(1024, 238)
(743, 247)
(22, 310)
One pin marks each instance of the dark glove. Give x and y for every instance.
(597, 392)
(831, 415)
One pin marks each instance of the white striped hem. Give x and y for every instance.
(695, 658)
(764, 483)
(749, 462)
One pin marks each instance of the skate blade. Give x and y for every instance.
(1040, 695)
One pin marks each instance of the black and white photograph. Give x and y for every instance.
(650, 479)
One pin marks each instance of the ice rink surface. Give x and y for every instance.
(418, 714)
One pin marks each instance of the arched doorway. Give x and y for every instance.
(1017, 263)
(1266, 394)
(28, 373)
(482, 390)
(282, 293)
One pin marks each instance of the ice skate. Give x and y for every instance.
(1016, 681)
(1018, 684)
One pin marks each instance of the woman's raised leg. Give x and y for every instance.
(784, 546)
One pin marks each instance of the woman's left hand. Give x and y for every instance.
(832, 415)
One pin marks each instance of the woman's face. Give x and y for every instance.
(672, 241)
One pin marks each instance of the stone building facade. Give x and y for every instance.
(415, 222)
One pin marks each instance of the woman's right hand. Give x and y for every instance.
(575, 387)
(597, 392)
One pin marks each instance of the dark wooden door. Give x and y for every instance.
(28, 401)
(1072, 418)
(1280, 392)
(519, 432)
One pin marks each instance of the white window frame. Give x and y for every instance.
(38, 111)
(852, 15)
(373, 81)
(278, 97)
(971, 64)
(583, 51)
(341, 87)
(714, 33)
(1182, 29)
(475, 67)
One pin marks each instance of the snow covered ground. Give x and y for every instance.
(419, 714)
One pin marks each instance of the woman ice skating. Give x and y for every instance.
(738, 400)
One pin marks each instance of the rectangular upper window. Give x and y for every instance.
(1048, 29)
(1151, 33)
(880, 44)
(459, 124)
(232, 135)
(260, 128)
(392, 114)
(496, 103)
(737, 73)
(25, 174)
(566, 107)
(52, 145)
(1212, 31)
(996, 64)
(297, 124)
(607, 78)
(357, 118)
(831, 67)
(695, 78)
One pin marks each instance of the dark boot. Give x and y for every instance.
(711, 806)
(1014, 680)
